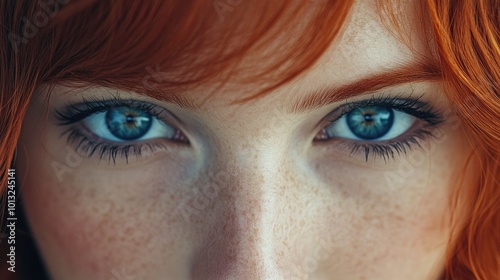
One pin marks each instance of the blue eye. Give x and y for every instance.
(126, 123)
(118, 127)
(370, 123)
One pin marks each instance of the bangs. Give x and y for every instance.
(160, 47)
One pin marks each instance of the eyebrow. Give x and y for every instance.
(174, 98)
(327, 95)
(180, 100)
(331, 94)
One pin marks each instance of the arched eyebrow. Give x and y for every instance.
(327, 95)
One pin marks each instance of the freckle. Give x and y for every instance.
(111, 239)
(344, 193)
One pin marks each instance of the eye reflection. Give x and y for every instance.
(370, 122)
(128, 123)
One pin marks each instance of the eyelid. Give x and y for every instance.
(409, 105)
(74, 113)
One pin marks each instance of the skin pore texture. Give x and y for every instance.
(253, 195)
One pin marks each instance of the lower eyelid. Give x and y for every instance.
(347, 149)
(90, 146)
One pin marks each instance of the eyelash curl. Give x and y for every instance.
(90, 144)
(388, 149)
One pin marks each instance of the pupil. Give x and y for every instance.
(368, 118)
(370, 122)
(128, 123)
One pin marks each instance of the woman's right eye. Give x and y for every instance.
(125, 123)
(112, 128)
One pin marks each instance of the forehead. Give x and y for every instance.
(368, 44)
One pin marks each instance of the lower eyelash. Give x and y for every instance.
(392, 148)
(90, 147)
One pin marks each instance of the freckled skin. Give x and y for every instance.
(252, 197)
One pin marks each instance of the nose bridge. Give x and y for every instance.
(241, 243)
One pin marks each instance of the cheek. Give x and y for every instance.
(94, 222)
(397, 214)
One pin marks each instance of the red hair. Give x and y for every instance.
(166, 47)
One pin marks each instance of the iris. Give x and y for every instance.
(128, 123)
(370, 122)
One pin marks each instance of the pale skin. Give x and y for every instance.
(253, 195)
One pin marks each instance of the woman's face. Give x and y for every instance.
(353, 188)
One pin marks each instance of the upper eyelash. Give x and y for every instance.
(412, 106)
(74, 113)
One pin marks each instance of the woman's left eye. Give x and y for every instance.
(370, 123)
(125, 123)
